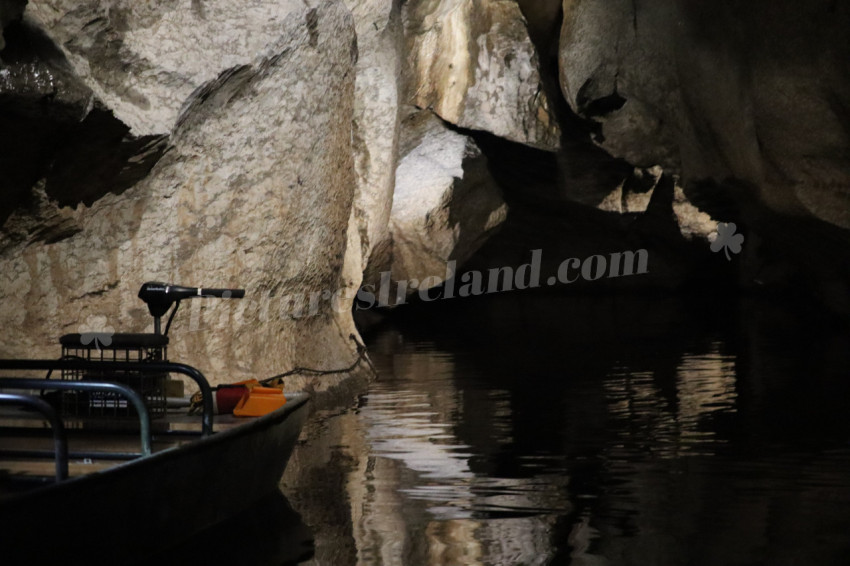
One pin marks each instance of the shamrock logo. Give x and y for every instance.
(100, 337)
(726, 239)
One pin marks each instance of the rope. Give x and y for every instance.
(361, 356)
(196, 402)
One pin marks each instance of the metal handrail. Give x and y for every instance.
(152, 366)
(60, 439)
(134, 398)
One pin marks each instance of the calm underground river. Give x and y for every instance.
(527, 429)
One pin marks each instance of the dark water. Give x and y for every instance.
(551, 430)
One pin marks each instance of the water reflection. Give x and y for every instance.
(673, 426)
(605, 431)
(410, 416)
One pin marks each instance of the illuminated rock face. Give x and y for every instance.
(253, 189)
(473, 63)
(290, 148)
(446, 203)
(252, 145)
(186, 142)
(375, 129)
(424, 194)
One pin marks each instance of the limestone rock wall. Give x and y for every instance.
(472, 62)
(746, 105)
(254, 190)
(375, 129)
(754, 91)
(473, 65)
(260, 145)
(293, 147)
(446, 203)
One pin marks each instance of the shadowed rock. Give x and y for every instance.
(445, 205)
(758, 92)
(57, 134)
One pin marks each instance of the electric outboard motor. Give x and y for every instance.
(160, 296)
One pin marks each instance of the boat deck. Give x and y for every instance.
(127, 505)
(94, 445)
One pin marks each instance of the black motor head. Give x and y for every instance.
(160, 296)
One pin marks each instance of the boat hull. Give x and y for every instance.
(140, 507)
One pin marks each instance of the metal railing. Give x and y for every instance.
(54, 384)
(61, 453)
(60, 440)
(151, 366)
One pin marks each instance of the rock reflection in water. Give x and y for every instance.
(671, 427)
(468, 517)
(588, 432)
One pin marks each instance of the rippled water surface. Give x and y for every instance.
(546, 430)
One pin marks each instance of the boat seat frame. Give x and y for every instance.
(61, 454)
